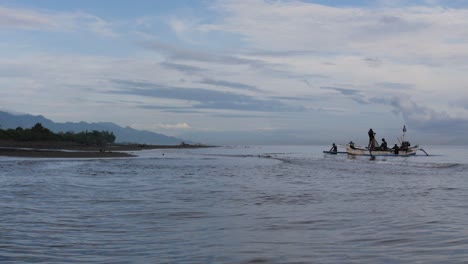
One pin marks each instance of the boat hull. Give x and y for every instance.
(334, 152)
(360, 151)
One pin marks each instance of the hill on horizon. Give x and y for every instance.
(123, 134)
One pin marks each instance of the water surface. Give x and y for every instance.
(244, 204)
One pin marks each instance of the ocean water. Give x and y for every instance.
(243, 204)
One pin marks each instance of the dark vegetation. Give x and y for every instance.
(40, 133)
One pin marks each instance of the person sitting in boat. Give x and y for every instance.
(405, 145)
(334, 148)
(383, 146)
(396, 149)
(351, 145)
(371, 134)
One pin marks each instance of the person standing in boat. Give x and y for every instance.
(334, 148)
(396, 149)
(383, 146)
(372, 144)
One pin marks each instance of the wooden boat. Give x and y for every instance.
(365, 151)
(334, 152)
(405, 149)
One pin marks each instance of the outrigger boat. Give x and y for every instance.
(405, 149)
(365, 151)
(334, 152)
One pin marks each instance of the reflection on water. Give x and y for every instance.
(235, 205)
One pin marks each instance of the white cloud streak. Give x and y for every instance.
(28, 19)
(174, 126)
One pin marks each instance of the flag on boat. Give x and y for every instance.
(404, 128)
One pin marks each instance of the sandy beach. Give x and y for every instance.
(46, 149)
(38, 153)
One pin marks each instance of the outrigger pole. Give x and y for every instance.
(423, 151)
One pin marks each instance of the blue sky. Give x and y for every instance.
(242, 72)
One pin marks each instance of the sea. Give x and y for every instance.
(236, 204)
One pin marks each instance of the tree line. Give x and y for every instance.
(40, 133)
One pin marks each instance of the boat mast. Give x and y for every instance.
(404, 132)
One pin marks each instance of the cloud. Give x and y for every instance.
(174, 126)
(352, 94)
(201, 98)
(425, 119)
(98, 26)
(15, 18)
(343, 91)
(243, 116)
(179, 53)
(172, 109)
(389, 24)
(281, 53)
(228, 84)
(261, 65)
(214, 59)
(187, 69)
(395, 85)
(415, 113)
(177, 25)
(403, 33)
(373, 62)
(292, 98)
(29, 19)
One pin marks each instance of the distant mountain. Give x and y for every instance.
(123, 134)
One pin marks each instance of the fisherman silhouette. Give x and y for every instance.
(334, 148)
(396, 149)
(372, 143)
(383, 146)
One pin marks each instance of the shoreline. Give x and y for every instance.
(74, 150)
(41, 153)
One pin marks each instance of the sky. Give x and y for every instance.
(242, 71)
